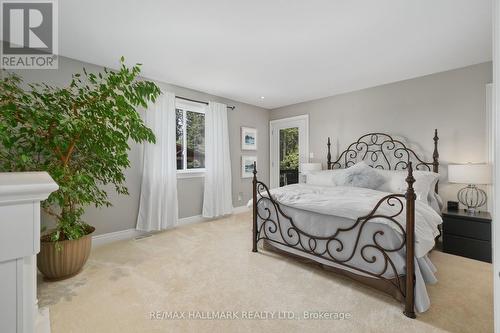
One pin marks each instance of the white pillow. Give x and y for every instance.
(435, 201)
(359, 175)
(425, 181)
(440, 202)
(322, 178)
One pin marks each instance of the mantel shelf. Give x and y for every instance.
(25, 186)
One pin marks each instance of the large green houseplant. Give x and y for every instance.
(79, 134)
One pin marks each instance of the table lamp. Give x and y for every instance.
(471, 174)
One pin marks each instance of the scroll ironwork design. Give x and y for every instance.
(277, 227)
(382, 151)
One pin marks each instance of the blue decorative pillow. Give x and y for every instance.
(359, 175)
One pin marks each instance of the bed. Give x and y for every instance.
(378, 237)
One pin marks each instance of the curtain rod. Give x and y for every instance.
(206, 103)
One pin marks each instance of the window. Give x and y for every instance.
(190, 136)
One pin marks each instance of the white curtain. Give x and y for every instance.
(158, 202)
(217, 199)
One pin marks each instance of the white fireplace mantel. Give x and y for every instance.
(20, 196)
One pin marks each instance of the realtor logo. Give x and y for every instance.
(29, 34)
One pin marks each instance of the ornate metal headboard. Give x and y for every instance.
(383, 152)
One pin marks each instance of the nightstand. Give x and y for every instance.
(467, 235)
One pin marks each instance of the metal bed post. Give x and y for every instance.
(435, 157)
(329, 156)
(410, 246)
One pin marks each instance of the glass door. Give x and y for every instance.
(289, 148)
(289, 156)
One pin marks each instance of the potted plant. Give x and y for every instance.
(80, 135)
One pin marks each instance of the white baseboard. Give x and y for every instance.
(199, 218)
(241, 209)
(191, 220)
(102, 239)
(115, 236)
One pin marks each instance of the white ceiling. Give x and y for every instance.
(289, 51)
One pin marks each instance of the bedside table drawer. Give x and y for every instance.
(469, 229)
(467, 247)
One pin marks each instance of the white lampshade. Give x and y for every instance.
(309, 167)
(469, 173)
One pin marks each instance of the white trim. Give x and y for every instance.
(17, 187)
(241, 209)
(490, 129)
(195, 170)
(190, 106)
(115, 236)
(496, 172)
(184, 139)
(302, 122)
(283, 120)
(110, 237)
(199, 218)
(191, 220)
(191, 173)
(127, 234)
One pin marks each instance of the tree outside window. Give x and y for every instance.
(190, 138)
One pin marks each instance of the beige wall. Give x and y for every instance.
(123, 214)
(454, 102)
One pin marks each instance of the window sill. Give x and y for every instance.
(190, 174)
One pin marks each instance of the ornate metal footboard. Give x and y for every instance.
(276, 227)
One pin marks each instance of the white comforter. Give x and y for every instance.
(354, 202)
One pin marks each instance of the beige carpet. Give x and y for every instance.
(209, 267)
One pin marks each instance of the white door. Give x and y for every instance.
(289, 148)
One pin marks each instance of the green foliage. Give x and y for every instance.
(195, 139)
(290, 162)
(195, 128)
(78, 134)
(289, 148)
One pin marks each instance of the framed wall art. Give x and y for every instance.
(248, 138)
(247, 166)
